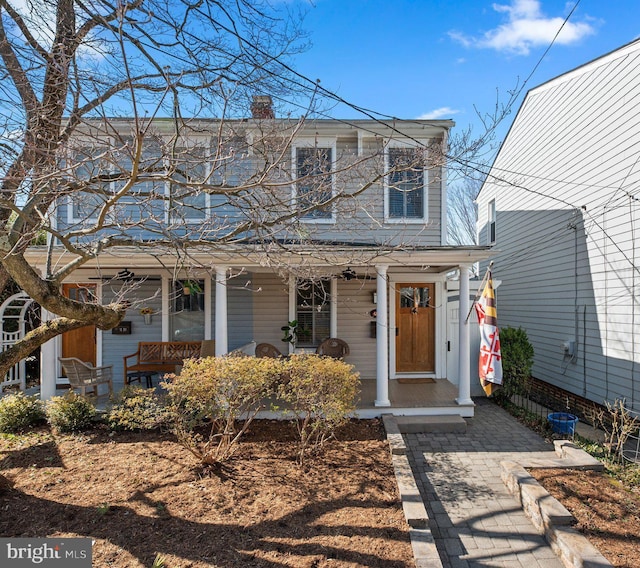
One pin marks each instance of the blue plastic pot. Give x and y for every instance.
(562, 422)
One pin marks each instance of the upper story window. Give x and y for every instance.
(187, 201)
(491, 221)
(87, 204)
(145, 201)
(314, 181)
(406, 196)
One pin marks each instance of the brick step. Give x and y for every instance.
(442, 423)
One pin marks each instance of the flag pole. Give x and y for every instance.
(480, 289)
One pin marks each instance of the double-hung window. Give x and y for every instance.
(314, 167)
(85, 205)
(186, 318)
(313, 312)
(187, 200)
(145, 201)
(406, 195)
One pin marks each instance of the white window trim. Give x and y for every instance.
(169, 218)
(72, 219)
(426, 178)
(440, 324)
(316, 142)
(333, 306)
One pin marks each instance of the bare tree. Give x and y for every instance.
(128, 118)
(68, 67)
(463, 211)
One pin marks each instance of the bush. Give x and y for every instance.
(321, 392)
(211, 395)
(19, 412)
(70, 413)
(137, 408)
(517, 361)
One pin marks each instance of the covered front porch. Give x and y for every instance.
(243, 301)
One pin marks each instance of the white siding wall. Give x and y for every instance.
(565, 184)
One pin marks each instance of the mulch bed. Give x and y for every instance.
(606, 513)
(141, 494)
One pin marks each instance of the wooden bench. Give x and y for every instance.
(158, 357)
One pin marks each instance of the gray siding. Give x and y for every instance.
(270, 313)
(354, 324)
(240, 308)
(564, 183)
(270, 309)
(359, 218)
(115, 347)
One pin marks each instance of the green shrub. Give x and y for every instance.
(517, 361)
(70, 413)
(19, 412)
(321, 392)
(211, 395)
(137, 408)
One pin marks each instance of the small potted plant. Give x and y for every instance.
(146, 313)
(191, 287)
(290, 332)
(294, 332)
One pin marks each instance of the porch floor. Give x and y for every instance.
(438, 397)
(428, 399)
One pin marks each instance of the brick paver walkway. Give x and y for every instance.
(475, 520)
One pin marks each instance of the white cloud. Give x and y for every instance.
(438, 113)
(526, 27)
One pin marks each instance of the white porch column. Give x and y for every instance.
(464, 383)
(382, 339)
(293, 299)
(48, 364)
(222, 338)
(166, 308)
(207, 308)
(333, 318)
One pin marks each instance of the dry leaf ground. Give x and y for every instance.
(141, 494)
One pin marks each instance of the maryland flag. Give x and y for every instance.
(490, 361)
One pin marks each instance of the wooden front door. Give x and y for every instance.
(415, 322)
(80, 343)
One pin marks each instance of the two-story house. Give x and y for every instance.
(561, 205)
(232, 230)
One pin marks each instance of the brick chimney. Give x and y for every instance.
(262, 107)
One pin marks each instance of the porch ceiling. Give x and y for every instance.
(261, 259)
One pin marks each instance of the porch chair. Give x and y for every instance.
(85, 376)
(267, 350)
(333, 347)
(208, 348)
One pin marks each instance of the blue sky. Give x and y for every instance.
(437, 59)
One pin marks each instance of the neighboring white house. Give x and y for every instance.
(561, 206)
(377, 265)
